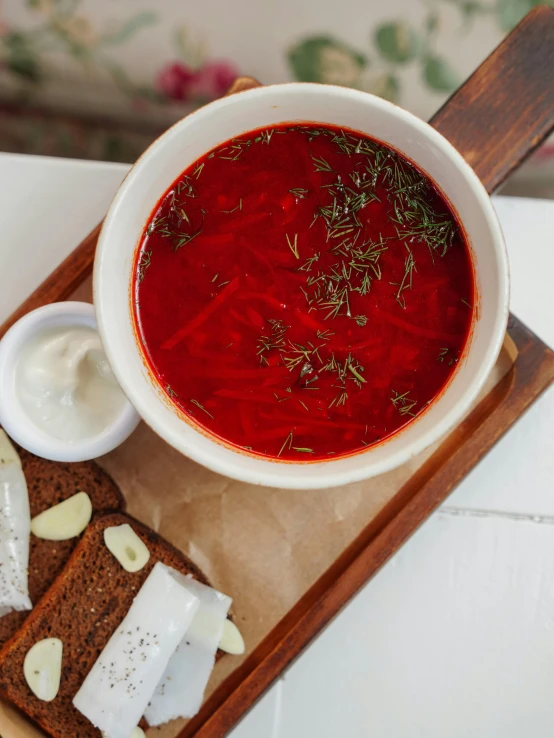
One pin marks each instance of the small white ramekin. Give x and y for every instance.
(232, 116)
(13, 417)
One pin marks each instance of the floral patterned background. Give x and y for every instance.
(101, 78)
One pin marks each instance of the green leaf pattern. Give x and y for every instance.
(397, 44)
(397, 51)
(20, 58)
(510, 12)
(439, 75)
(129, 28)
(324, 59)
(64, 30)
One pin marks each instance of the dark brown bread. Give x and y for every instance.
(83, 608)
(49, 483)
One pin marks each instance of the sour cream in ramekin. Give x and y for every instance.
(58, 396)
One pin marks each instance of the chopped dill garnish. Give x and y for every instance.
(195, 402)
(170, 391)
(308, 264)
(467, 302)
(404, 403)
(176, 225)
(275, 340)
(407, 278)
(321, 164)
(411, 195)
(324, 335)
(445, 356)
(337, 299)
(293, 245)
(265, 136)
(339, 400)
(349, 369)
(233, 152)
(352, 368)
(288, 441)
(299, 354)
(144, 263)
(299, 192)
(237, 207)
(185, 186)
(407, 409)
(340, 214)
(184, 238)
(198, 171)
(155, 223)
(330, 290)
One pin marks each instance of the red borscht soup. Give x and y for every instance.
(303, 292)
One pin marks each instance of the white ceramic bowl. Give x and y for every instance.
(14, 418)
(193, 136)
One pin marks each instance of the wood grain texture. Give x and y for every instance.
(241, 84)
(506, 108)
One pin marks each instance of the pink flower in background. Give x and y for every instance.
(175, 81)
(214, 79)
(178, 82)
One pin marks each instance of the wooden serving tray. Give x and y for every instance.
(496, 119)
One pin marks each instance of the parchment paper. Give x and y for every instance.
(264, 547)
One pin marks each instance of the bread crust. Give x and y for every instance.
(83, 607)
(49, 483)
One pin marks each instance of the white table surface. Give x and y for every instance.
(454, 638)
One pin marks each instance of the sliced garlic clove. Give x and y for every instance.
(127, 547)
(64, 521)
(231, 639)
(42, 668)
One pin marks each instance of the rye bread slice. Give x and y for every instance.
(51, 482)
(83, 608)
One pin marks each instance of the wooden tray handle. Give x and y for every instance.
(506, 108)
(241, 84)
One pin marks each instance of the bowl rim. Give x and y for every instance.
(287, 475)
